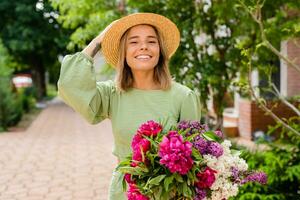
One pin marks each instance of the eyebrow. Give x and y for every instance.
(134, 37)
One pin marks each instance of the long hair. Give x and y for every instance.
(161, 76)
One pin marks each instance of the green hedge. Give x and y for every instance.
(10, 104)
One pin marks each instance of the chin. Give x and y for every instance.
(143, 66)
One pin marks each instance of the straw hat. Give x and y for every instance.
(111, 40)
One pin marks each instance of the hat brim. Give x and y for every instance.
(111, 40)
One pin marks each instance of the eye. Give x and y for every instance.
(152, 41)
(133, 42)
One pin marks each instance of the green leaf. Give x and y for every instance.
(168, 180)
(191, 137)
(156, 180)
(211, 136)
(186, 190)
(178, 178)
(133, 170)
(196, 154)
(158, 192)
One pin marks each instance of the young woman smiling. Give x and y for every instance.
(139, 47)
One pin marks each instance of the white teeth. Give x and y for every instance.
(143, 57)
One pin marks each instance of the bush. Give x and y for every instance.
(282, 164)
(10, 104)
(27, 96)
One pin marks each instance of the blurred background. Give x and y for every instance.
(241, 56)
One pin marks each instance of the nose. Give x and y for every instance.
(143, 46)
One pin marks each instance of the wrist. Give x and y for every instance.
(96, 46)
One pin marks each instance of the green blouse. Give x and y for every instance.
(96, 101)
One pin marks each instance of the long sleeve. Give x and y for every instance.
(190, 107)
(77, 86)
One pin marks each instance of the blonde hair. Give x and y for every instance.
(161, 76)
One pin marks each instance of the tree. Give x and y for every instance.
(30, 32)
(87, 18)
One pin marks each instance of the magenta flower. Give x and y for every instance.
(206, 178)
(128, 178)
(175, 153)
(139, 147)
(150, 128)
(133, 193)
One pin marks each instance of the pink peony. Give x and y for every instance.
(133, 193)
(175, 153)
(139, 146)
(206, 178)
(150, 128)
(128, 178)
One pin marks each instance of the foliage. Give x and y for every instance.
(279, 24)
(9, 105)
(33, 37)
(87, 18)
(13, 102)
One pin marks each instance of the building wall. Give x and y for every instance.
(290, 77)
(252, 118)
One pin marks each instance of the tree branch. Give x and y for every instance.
(257, 18)
(265, 108)
(291, 106)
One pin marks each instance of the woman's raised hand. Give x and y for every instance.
(95, 45)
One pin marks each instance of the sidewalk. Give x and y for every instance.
(59, 157)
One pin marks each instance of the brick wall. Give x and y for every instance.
(252, 118)
(293, 76)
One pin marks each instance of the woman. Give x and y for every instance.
(139, 46)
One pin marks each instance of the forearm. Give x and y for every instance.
(92, 48)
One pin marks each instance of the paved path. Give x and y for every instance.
(59, 157)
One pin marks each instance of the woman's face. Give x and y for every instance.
(142, 48)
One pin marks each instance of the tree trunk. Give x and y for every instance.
(38, 77)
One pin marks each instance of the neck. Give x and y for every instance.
(144, 80)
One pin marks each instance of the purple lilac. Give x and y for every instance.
(200, 144)
(194, 126)
(235, 173)
(200, 194)
(259, 177)
(215, 149)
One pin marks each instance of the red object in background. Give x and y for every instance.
(22, 80)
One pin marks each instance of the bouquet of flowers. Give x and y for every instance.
(186, 162)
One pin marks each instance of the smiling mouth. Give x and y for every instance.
(143, 57)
